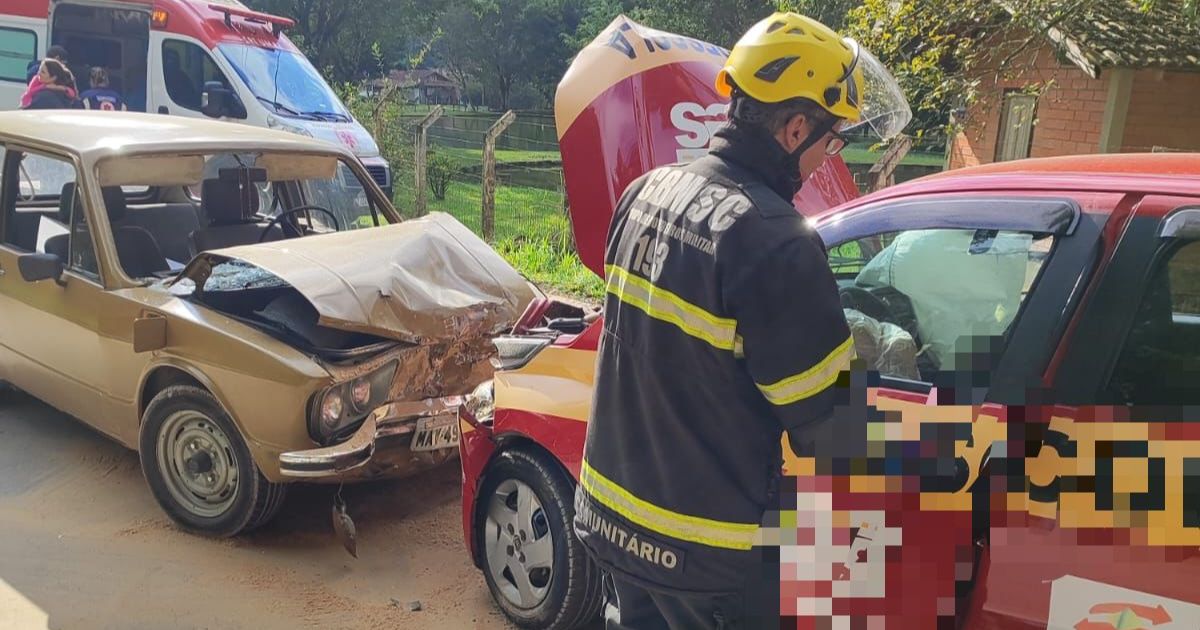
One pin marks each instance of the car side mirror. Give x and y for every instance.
(218, 101)
(38, 267)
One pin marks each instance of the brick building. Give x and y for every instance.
(1112, 79)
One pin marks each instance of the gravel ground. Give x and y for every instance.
(84, 545)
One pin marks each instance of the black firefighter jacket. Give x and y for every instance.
(723, 329)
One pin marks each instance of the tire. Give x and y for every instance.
(217, 490)
(563, 596)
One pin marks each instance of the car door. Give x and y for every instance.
(1110, 533)
(51, 347)
(946, 296)
(179, 67)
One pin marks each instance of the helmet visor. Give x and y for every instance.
(884, 109)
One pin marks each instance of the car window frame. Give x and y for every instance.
(1145, 244)
(12, 149)
(1108, 319)
(213, 59)
(1056, 290)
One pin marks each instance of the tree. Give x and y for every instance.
(720, 22)
(831, 13)
(504, 43)
(596, 17)
(456, 44)
(941, 51)
(338, 35)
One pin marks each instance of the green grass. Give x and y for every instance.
(521, 212)
(860, 153)
(532, 232)
(554, 269)
(503, 156)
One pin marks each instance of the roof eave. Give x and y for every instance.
(1070, 47)
(1073, 51)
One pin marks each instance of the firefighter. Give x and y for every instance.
(723, 330)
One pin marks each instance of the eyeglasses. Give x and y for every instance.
(836, 143)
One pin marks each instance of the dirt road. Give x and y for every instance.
(83, 545)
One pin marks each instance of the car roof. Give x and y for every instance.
(1098, 164)
(94, 135)
(1161, 173)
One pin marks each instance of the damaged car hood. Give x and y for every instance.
(424, 280)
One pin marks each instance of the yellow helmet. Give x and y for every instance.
(787, 56)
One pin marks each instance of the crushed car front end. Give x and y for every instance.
(401, 319)
(370, 423)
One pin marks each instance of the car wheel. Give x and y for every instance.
(536, 569)
(199, 468)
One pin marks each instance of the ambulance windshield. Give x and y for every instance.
(286, 82)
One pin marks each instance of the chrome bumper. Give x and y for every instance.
(383, 439)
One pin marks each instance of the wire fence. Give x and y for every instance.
(530, 203)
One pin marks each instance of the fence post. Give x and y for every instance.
(488, 219)
(882, 172)
(420, 155)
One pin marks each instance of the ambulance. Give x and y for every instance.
(195, 58)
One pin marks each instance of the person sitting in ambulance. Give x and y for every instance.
(101, 96)
(965, 286)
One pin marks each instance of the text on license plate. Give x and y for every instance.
(435, 433)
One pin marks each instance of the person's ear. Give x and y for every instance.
(797, 131)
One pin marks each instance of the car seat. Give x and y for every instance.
(232, 219)
(137, 251)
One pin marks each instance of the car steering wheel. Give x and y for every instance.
(337, 226)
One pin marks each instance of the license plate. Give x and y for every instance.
(435, 433)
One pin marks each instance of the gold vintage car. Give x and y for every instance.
(242, 306)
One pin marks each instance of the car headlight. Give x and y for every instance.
(513, 352)
(347, 404)
(481, 404)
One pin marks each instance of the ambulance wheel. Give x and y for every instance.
(536, 570)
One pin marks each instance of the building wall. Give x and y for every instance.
(1069, 114)
(1163, 111)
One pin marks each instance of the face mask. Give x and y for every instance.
(793, 159)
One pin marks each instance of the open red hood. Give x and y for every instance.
(636, 99)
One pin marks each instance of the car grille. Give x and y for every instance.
(379, 174)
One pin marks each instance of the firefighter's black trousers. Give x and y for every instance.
(632, 607)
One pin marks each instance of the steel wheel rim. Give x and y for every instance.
(518, 544)
(197, 463)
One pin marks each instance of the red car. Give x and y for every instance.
(1032, 330)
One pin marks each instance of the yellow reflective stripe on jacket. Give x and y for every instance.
(681, 526)
(668, 307)
(813, 380)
